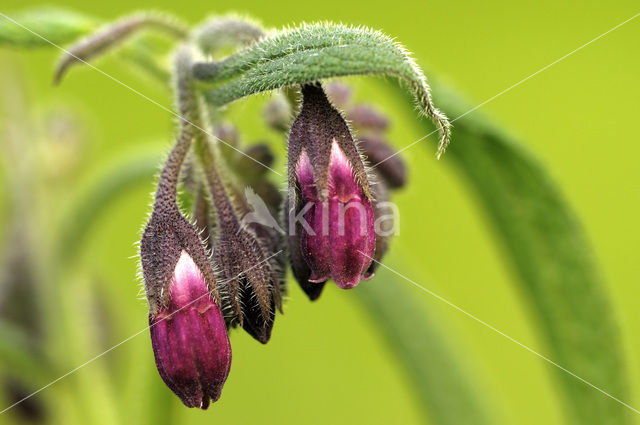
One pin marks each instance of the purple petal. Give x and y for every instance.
(189, 339)
(304, 173)
(315, 248)
(342, 183)
(352, 233)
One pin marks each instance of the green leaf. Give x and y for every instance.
(550, 255)
(445, 394)
(58, 26)
(314, 52)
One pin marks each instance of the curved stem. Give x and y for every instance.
(221, 31)
(113, 34)
(166, 194)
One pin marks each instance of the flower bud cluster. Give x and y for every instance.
(336, 208)
(203, 278)
(227, 268)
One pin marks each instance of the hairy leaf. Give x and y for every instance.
(314, 52)
(549, 253)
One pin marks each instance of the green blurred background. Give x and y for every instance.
(326, 362)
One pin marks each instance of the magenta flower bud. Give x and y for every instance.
(331, 191)
(299, 267)
(188, 332)
(189, 338)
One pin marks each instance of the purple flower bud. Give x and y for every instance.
(365, 117)
(189, 338)
(188, 332)
(248, 260)
(187, 327)
(339, 93)
(329, 187)
(299, 266)
(384, 160)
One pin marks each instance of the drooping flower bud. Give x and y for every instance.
(188, 334)
(299, 267)
(364, 117)
(330, 195)
(189, 338)
(384, 160)
(339, 94)
(248, 255)
(183, 297)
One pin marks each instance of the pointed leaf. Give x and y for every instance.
(314, 52)
(545, 245)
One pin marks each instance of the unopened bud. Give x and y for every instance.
(329, 186)
(384, 160)
(365, 117)
(246, 254)
(339, 93)
(188, 333)
(189, 338)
